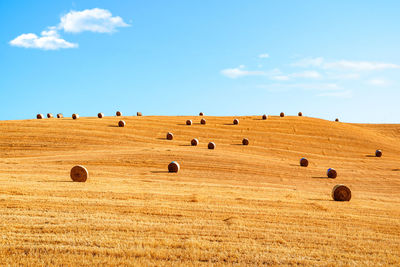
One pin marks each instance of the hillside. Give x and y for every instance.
(235, 204)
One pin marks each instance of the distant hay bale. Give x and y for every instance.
(170, 136)
(331, 173)
(211, 145)
(203, 121)
(300, 114)
(378, 153)
(139, 114)
(264, 117)
(75, 116)
(194, 142)
(39, 116)
(341, 193)
(201, 114)
(121, 123)
(245, 141)
(303, 162)
(189, 122)
(100, 115)
(79, 174)
(49, 115)
(118, 113)
(282, 114)
(236, 121)
(336, 119)
(60, 115)
(174, 167)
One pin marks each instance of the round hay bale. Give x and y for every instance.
(378, 153)
(49, 115)
(341, 192)
(170, 136)
(118, 113)
(282, 114)
(75, 116)
(331, 173)
(300, 114)
(336, 119)
(39, 116)
(203, 121)
(194, 142)
(236, 121)
(303, 162)
(211, 145)
(189, 122)
(139, 114)
(100, 115)
(264, 117)
(60, 115)
(201, 114)
(121, 123)
(245, 141)
(174, 167)
(79, 174)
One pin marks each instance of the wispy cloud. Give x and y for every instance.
(265, 55)
(378, 82)
(309, 62)
(241, 72)
(342, 94)
(49, 40)
(307, 74)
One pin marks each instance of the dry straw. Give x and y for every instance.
(118, 113)
(189, 122)
(100, 115)
(245, 141)
(49, 115)
(39, 116)
(75, 116)
(121, 123)
(174, 167)
(170, 136)
(264, 117)
(211, 145)
(236, 121)
(60, 115)
(341, 193)
(378, 153)
(282, 114)
(79, 174)
(300, 114)
(201, 114)
(203, 121)
(194, 142)
(139, 113)
(303, 162)
(331, 173)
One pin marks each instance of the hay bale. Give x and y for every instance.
(79, 174)
(121, 123)
(118, 113)
(303, 162)
(49, 115)
(39, 116)
(331, 173)
(170, 136)
(282, 114)
(336, 119)
(264, 117)
(189, 122)
(75, 116)
(378, 153)
(139, 114)
(236, 121)
(194, 142)
(201, 114)
(341, 193)
(211, 145)
(60, 115)
(100, 115)
(245, 141)
(203, 121)
(174, 167)
(300, 114)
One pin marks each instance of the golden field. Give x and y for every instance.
(245, 205)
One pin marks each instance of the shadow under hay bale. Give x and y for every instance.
(203, 121)
(194, 142)
(100, 115)
(75, 116)
(118, 113)
(341, 193)
(282, 115)
(173, 167)
(170, 136)
(139, 114)
(121, 123)
(331, 173)
(211, 145)
(264, 117)
(300, 114)
(49, 115)
(39, 116)
(79, 174)
(378, 153)
(303, 162)
(189, 122)
(60, 116)
(235, 121)
(245, 141)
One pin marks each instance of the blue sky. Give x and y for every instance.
(327, 59)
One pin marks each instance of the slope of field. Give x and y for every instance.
(233, 205)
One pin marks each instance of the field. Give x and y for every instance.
(246, 205)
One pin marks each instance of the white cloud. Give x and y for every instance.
(309, 62)
(378, 82)
(302, 86)
(94, 20)
(343, 94)
(240, 72)
(50, 40)
(280, 78)
(307, 74)
(265, 55)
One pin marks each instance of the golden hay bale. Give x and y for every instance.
(341, 193)
(170, 136)
(49, 115)
(174, 167)
(139, 113)
(282, 114)
(300, 114)
(303, 162)
(236, 121)
(39, 116)
(75, 116)
(211, 145)
(60, 115)
(194, 142)
(100, 115)
(336, 119)
(203, 121)
(79, 174)
(121, 123)
(245, 141)
(189, 122)
(378, 153)
(201, 114)
(331, 173)
(118, 113)
(264, 117)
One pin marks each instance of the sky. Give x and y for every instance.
(327, 59)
